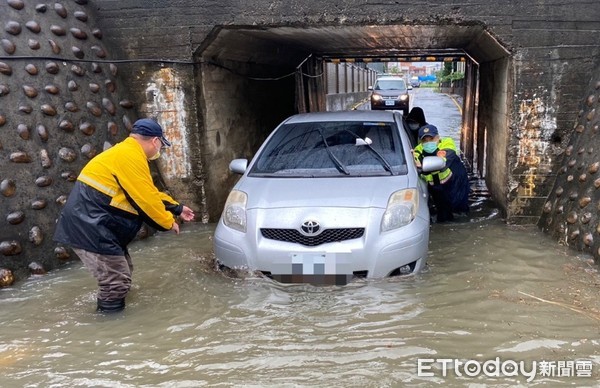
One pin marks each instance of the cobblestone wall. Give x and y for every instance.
(572, 212)
(61, 101)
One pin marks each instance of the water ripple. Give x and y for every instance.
(187, 325)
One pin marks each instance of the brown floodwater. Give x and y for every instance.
(493, 298)
(491, 293)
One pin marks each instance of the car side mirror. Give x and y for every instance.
(238, 166)
(409, 87)
(370, 87)
(432, 163)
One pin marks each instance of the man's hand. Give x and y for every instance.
(187, 214)
(175, 227)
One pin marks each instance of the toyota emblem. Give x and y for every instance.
(310, 227)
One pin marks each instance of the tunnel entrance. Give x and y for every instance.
(251, 77)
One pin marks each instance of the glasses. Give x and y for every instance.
(162, 145)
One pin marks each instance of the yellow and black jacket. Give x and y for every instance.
(445, 147)
(113, 195)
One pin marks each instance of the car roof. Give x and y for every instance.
(348, 115)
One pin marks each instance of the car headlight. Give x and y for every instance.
(234, 213)
(376, 97)
(401, 209)
(403, 97)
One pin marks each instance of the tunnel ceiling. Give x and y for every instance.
(290, 45)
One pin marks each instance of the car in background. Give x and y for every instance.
(414, 82)
(328, 197)
(390, 92)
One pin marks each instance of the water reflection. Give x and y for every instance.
(187, 325)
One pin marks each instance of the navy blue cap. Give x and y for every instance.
(149, 127)
(427, 130)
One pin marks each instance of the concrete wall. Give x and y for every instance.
(346, 100)
(493, 131)
(468, 136)
(550, 50)
(239, 113)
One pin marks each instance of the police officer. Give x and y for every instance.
(113, 195)
(449, 187)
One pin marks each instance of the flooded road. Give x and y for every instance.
(187, 325)
(493, 298)
(441, 110)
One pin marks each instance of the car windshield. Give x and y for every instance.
(394, 84)
(325, 149)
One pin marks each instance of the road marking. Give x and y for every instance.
(455, 103)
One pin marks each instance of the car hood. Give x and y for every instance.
(391, 92)
(269, 193)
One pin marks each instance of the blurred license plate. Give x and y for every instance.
(320, 268)
(389, 102)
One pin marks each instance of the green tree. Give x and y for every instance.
(447, 74)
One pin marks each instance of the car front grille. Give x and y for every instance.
(326, 236)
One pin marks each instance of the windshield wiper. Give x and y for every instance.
(380, 157)
(335, 160)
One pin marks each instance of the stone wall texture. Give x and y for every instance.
(61, 101)
(571, 214)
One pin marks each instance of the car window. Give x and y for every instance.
(320, 149)
(395, 84)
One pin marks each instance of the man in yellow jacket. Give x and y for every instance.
(449, 188)
(113, 195)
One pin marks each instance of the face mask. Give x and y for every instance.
(155, 156)
(413, 125)
(430, 147)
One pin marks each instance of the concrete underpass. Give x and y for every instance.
(219, 76)
(279, 82)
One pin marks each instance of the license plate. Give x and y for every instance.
(319, 268)
(389, 102)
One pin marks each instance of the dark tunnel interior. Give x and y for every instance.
(247, 77)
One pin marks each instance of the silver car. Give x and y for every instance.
(329, 197)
